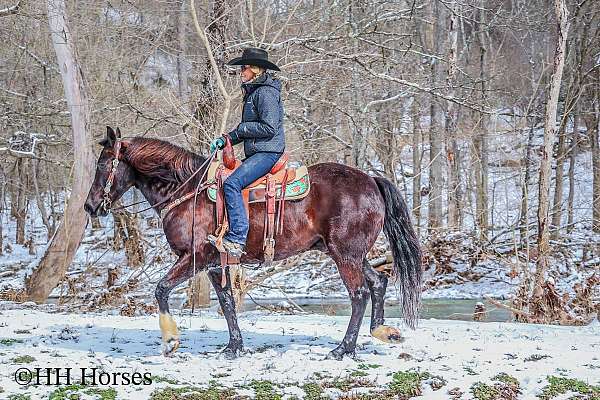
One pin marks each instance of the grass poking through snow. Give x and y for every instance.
(559, 385)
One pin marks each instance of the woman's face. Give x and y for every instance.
(246, 73)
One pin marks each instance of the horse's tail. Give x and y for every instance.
(406, 250)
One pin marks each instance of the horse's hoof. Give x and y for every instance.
(387, 334)
(336, 354)
(232, 352)
(170, 347)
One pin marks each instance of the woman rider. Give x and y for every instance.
(261, 131)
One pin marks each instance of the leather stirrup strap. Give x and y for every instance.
(269, 243)
(221, 223)
(280, 214)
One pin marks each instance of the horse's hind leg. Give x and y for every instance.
(235, 345)
(354, 279)
(176, 275)
(377, 282)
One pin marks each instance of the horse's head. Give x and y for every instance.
(113, 177)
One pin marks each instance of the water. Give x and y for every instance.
(461, 310)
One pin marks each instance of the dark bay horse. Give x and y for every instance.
(342, 216)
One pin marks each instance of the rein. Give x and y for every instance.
(107, 202)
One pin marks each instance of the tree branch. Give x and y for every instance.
(10, 10)
(226, 96)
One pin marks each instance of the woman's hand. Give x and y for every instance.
(218, 143)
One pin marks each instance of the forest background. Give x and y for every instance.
(486, 114)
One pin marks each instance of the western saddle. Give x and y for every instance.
(268, 189)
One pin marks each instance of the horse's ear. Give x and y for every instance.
(111, 137)
(118, 133)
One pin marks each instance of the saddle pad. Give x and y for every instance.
(295, 189)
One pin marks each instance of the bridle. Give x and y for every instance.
(106, 202)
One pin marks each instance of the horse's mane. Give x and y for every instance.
(163, 160)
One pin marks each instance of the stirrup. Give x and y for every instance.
(233, 249)
(212, 239)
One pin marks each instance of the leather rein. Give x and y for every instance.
(107, 202)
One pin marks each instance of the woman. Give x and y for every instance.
(261, 131)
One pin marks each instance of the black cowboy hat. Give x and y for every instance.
(254, 56)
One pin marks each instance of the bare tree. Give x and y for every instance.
(417, 156)
(480, 148)
(59, 253)
(592, 122)
(562, 14)
(451, 116)
(436, 133)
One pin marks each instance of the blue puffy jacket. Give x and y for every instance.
(261, 128)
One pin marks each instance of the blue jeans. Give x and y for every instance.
(252, 168)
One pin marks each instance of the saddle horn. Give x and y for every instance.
(228, 154)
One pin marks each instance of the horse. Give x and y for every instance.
(342, 216)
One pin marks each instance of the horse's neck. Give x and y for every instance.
(156, 191)
(159, 192)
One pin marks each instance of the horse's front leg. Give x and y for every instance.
(235, 345)
(176, 275)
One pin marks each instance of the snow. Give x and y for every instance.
(290, 350)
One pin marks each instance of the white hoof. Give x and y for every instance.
(387, 334)
(170, 347)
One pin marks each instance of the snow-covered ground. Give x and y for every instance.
(286, 354)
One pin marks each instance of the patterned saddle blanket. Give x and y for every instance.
(297, 184)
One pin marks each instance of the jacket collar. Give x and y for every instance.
(250, 87)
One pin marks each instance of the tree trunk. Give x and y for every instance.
(208, 110)
(480, 143)
(417, 155)
(593, 127)
(546, 156)
(40, 200)
(572, 159)
(387, 153)
(127, 235)
(527, 162)
(60, 251)
(453, 156)
(198, 295)
(2, 202)
(51, 199)
(19, 202)
(182, 71)
(558, 181)
(359, 143)
(436, 133)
